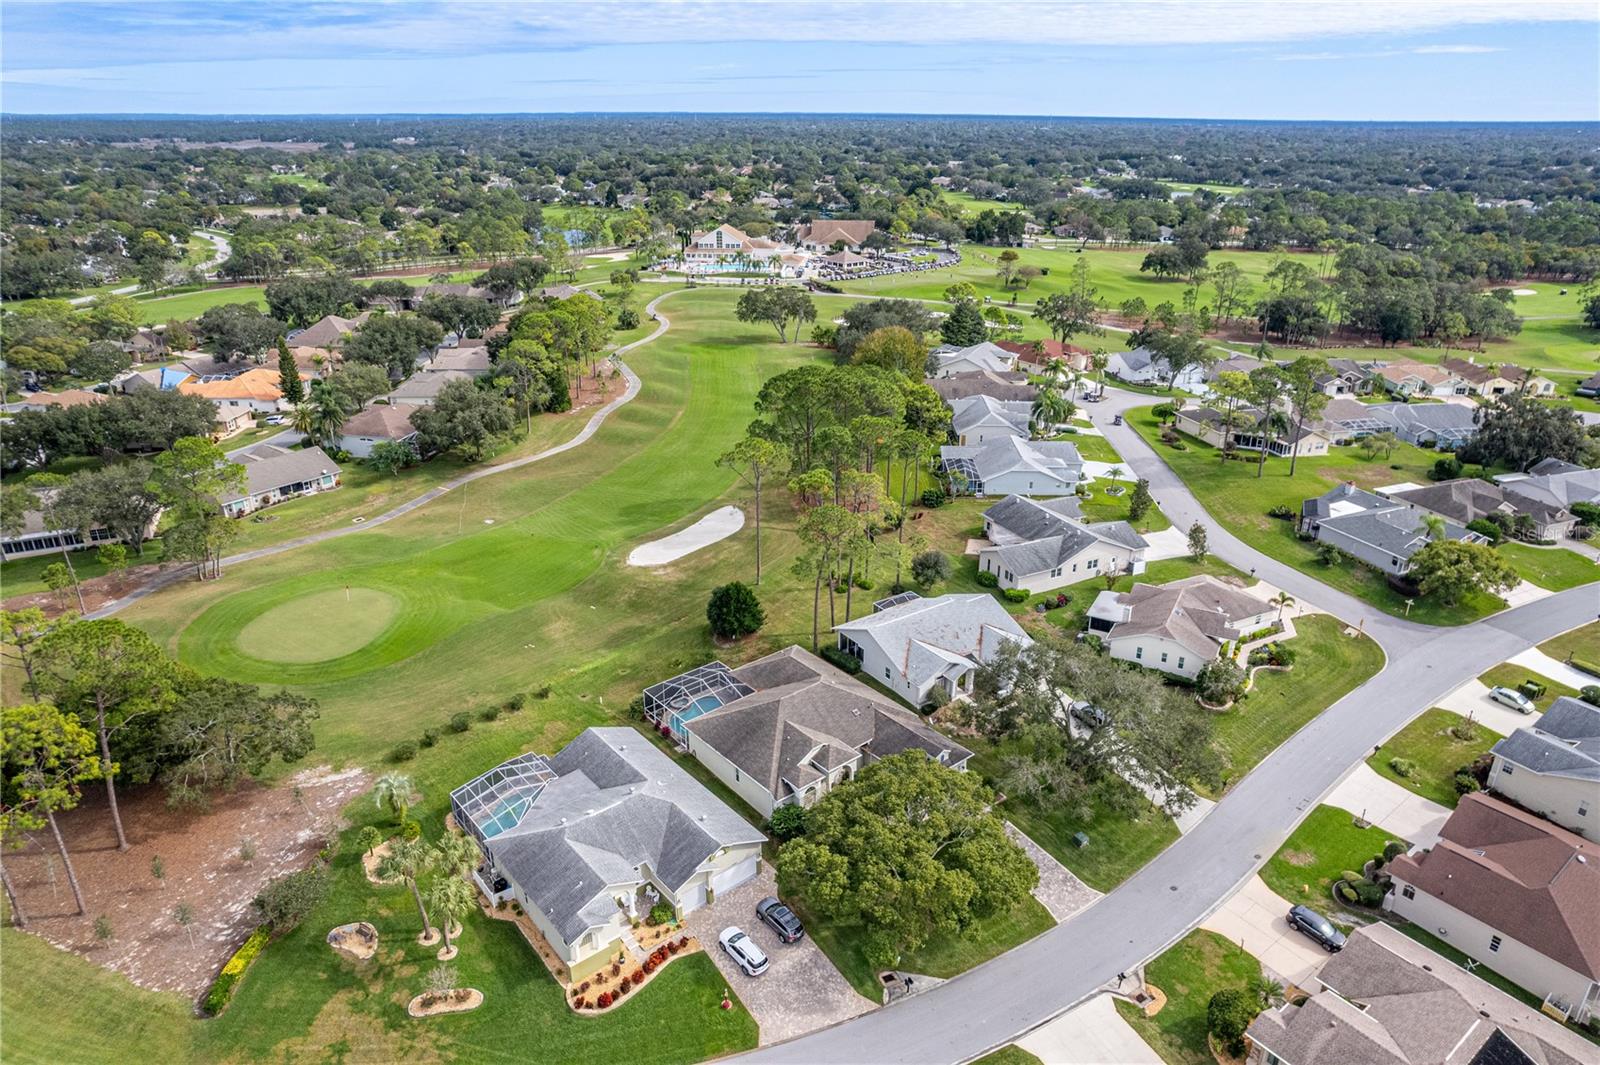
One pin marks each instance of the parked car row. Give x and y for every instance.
(745, 952)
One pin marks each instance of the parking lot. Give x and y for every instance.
(800, 992)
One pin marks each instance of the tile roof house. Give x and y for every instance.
(978, 419)
(1387, 1000)
(1552, 766)
(1383, 533)
(1514, 892)
(823, 233)
(67, 397)
(1012, 466)
(257, 389)
(975, 358)
(788, 727)
(329, 331)
(1055, 549)
(927, 650)
(1467, 499)
(1420, 379)
(1040, 353)
(274, 474)
(376, 424)
(591, 838)
(1176, 627)
(1006, 387)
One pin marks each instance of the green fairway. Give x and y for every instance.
(193, 304)
(319, 626)
(1189, 973)
(1239, 499)
(971, 205)
(1327, 843)
(1435, 751)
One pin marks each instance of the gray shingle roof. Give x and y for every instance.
(1051, 458)
(427, 385)
(973, 411)
(268, 466)
(1198, 612)
(1003, 386)
(1030, 519)
(1389, 525)
(923, 636)
(1564, 742)
(617, 802)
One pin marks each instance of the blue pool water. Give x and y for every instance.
(505, 816)
(703, 705)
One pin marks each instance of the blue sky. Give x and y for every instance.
(1300, 59)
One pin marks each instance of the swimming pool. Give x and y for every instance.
(700, 707)
(506, 815)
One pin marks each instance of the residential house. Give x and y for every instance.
(1234, 363)
(274, 474)
(978, 419)
(589, 840)
(378, 423)
(1386, 999)
(1006, 387)
(233, 418)
(1383, 533)
(36, 536)
(1445, 426)
(1010, 465)
(788, 727)
(421, 389)
(1419, 379)
(145, 344)
(1177, 627)
(1515, 893)
(1467, 499)
(314, 362)
(1485, 381)
(473, 361)
(927, 650)
(565, 291)
(1589, 387)
(1141, 366)
(823, 234)
(1345, 377)
(1053, 550)
(67, 397)
(257, 389)
(1207, 423)
(987, 356)
(1528, 382)
(1553, 483)
(330, 331)
(1552, 766)
(1038, 354)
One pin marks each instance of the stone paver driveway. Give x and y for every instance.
(800, 992)
(1059, 892)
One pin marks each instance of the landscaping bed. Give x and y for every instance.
(1189, 973)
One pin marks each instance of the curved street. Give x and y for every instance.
(1022, 989)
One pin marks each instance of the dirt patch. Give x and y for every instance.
(200, 856)
(97, 591)
(1300, 859)
(371, 860)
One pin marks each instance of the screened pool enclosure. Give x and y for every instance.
(496, 801)
(674, 703)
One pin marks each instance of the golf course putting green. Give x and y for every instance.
(320, 626)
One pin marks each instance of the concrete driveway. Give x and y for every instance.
(1472, 700)
(1091, 1034)
(1383, 802)
(1256, 919)
(800, 992)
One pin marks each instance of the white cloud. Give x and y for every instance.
(1454, 49)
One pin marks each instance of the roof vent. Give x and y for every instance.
(702, 817)
(563, 820)
(1582, 859)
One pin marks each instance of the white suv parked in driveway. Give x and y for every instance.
(743, 950)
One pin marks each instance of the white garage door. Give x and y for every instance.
(731, 878)
(694, 897)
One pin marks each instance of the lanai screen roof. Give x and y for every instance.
(489, 804)
(687, 689)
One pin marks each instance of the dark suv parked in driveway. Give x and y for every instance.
(778, 917)
(1318, 927)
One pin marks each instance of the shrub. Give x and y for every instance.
(660, 913)
(637, 977)
(233, 971)
(1369, 893)
(1392, 850)
(1446, 469)
(460, 722)
(543, 692)
(649, 964)
(604, 1000)
(1220, 681)
(1329, 555)
(930, 568)
(411, 831)
(864, 583)
(627, 318)
(1590, 693)
(1346, 892)
(1403, 767)
(1282, 511)
(787, 822)
(1466, 783)
(673, 948)
(403, 751)
(286, 901)
(1281, 654)
(846, 662)
(988, 580)
(734, 611)
(430, 736)
(934, 498)
(1485, 527)
(1015, 595)
(1228, 1014)
(489, 713)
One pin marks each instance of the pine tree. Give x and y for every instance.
(288, 374)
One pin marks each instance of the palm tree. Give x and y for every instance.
(1049, 409)
(393, 791)
(328, 413)
(459, 855)
(1281, 600)
(1435, 526)
(305, 419)
(407, 860)
(452, 900)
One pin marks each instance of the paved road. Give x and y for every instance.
(218, 257)
(663, 323)
(1028, 986)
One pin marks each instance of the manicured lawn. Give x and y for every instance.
(1092, 448)
(1237, 498)
(193, 304)
(108, 1019)
(1581, 643)
(975, 945)
(1189, 973)
(1326, 844)
(1510, 675)
(1437, 753)
(320, 626)
(1327, 665)
(1010, 1054)
(1554, 568)
(1119, 846)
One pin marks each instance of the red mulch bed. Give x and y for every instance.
(200, 852)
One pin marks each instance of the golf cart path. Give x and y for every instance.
(596, 420)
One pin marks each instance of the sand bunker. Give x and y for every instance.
(1524, 292)
(718, 525)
